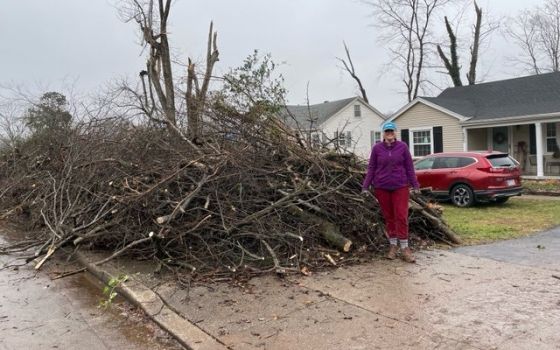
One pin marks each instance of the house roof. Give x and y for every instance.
(320, 112)
(525, 96)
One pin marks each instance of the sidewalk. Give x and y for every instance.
(445, 301)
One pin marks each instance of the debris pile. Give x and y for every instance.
(248, 198)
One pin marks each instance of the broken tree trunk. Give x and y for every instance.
(329, 231)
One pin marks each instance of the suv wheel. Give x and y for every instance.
(462, 195)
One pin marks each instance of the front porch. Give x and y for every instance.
(534, 145)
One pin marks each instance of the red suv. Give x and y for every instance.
(468, 177)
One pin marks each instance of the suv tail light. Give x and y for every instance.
(494, 170)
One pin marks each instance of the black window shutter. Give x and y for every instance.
(438, 139)
(404, 136)
(532, 139)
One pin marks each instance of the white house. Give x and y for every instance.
(350, 125)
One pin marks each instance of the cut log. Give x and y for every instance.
(439, 223)
(329, 231)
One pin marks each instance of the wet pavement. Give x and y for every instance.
(469, 298)
(39, 313)
(445, 301)
(540, 250)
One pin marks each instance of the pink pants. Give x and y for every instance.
(394, 207)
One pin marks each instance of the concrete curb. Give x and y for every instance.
(186, 333)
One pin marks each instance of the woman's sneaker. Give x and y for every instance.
(392, 253)
(408, 256)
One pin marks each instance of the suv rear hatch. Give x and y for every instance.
(503, 163)
(505, 170)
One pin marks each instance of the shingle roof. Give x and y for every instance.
(536, 94)
(318, 112)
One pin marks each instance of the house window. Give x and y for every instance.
(343, 139)
(421, 144)
(348, 139)
(357, 111)
(315, 140)
(551, 137)
(375, 137)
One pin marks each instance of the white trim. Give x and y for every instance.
(518, 120)
(429, 104)
(465, 139)
(411, 139)
(372, 139)
(538, 140)
(511, 146)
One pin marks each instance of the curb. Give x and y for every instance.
(186, 333)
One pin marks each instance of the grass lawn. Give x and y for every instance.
(518, 217)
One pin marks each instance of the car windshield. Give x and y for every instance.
(501, 161)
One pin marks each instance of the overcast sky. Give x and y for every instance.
(83, 42)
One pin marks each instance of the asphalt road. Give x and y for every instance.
(540, 250)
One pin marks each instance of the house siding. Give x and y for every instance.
(422, 116)
(360, 127)
(478, 139)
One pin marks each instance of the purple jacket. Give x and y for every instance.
(390, 167)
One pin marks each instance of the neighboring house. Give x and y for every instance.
(350, 125)
(520, 116)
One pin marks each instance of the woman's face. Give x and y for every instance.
(389, 135)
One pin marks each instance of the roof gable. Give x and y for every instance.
(427, 102)
(320, 112)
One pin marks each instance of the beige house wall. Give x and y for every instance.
(478, 139)
(421, 116)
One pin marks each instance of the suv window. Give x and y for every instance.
(501, 161)
(464, 161)
(452, 162)
(424, 164)
(446, 162)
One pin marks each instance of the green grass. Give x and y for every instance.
(490, 222)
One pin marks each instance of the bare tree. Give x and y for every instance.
(196, 94)
(153, 19)
(471, 75)
(536, 32)
(452, 64)
(349, 68)
(406, 28)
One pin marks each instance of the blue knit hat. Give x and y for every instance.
(389, 126)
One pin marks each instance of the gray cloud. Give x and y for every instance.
(52, 40)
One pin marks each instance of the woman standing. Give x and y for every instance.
(391, 173)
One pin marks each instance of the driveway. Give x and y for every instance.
(541, 250)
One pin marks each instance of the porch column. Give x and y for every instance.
(465, 140)
(539, 142)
